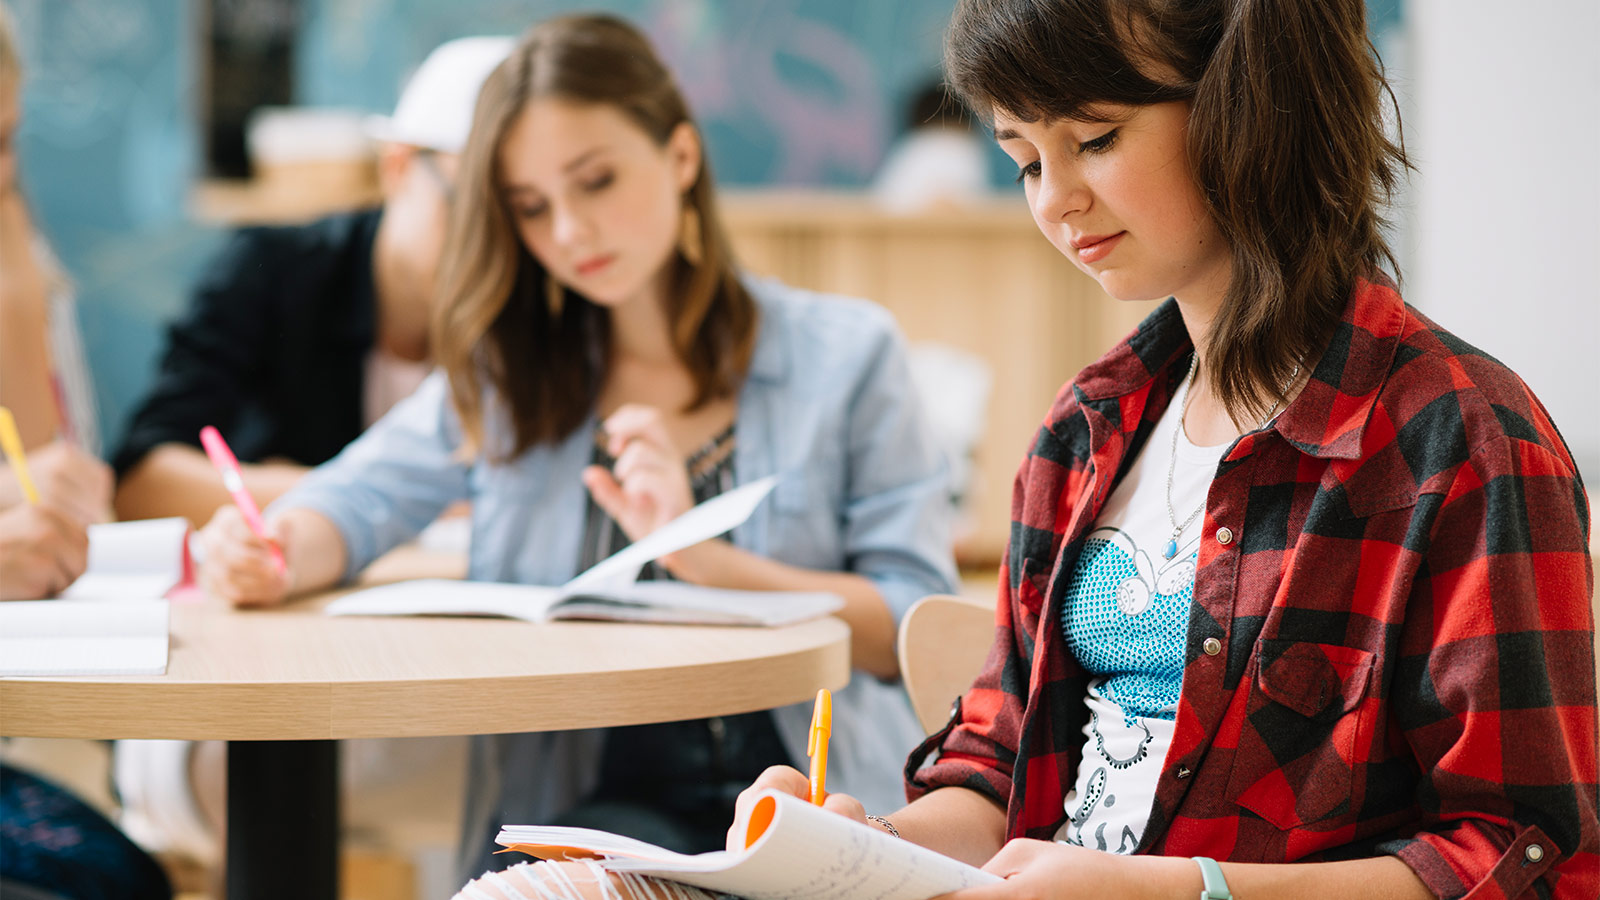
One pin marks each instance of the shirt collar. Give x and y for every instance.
(1329, 415)
(769, 360)
(1158, 343)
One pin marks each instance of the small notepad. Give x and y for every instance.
(114, 619)
(132, 560)
(83, 637)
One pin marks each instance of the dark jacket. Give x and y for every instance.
(272, 349)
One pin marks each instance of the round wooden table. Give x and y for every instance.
(282, 684)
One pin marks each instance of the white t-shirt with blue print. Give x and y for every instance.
(1125, 617)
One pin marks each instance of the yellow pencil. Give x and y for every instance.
(12, 442)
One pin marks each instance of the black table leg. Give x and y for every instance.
(283, 820)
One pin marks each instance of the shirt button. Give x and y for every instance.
(1534, 853)
(1224, 535)
(1212, 646)
(1184, 772)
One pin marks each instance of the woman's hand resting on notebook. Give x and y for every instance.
(789, 781)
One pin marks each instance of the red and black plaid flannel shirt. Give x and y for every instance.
(1397, 580)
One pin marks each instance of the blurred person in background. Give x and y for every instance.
(605, 366)
(298, 338)
(44, 382)
(938, 161)
(53, 846)
(44, 379)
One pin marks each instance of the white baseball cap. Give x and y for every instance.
(435, 109)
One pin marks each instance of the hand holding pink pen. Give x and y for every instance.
(228, 467)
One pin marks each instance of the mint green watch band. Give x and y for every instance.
(1216, 887)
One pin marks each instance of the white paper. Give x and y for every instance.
(677, 601)
(643, 601)
(92, 586)
(443, 597)
(132, 560)
(721, 513)
(806, 853)
(83, 637)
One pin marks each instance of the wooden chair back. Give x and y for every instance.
(943, 642)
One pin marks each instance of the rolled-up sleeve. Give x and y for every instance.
(1495, 690)
(384, 488)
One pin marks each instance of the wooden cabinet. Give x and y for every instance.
(981, 279)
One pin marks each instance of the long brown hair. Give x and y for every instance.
(1286, 138)
(493, 326)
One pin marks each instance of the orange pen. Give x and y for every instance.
(817, 746)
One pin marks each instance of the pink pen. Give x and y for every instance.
(228, 467)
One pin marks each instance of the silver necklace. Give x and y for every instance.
(1171, 549)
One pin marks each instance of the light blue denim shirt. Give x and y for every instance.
(828, 405)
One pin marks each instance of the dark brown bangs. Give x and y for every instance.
(1057, 59)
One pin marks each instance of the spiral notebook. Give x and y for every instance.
(793, 851)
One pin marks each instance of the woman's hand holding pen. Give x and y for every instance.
(789, 781)
(42, 551)
(238, 566)
(75, 483)
(649, 485)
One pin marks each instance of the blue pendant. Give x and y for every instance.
(1172, 548)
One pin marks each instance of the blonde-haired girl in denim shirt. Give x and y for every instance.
(604, 367)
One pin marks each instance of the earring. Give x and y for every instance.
(555, 295)
(690, 242)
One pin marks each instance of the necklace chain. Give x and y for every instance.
(1172, 458)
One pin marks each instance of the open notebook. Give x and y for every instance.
(609, 590)
(643, 601)
(793, 851)
(111, 621)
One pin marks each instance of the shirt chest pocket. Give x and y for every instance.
(807, 512)
(1298, 761)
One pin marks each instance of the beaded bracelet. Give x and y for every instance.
(885, 824)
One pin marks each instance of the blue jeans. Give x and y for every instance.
(56, 845)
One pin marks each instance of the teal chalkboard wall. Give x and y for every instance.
(796, 92)
(790, 92)
(108, 145)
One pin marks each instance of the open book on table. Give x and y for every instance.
(114, 619)
(793, 851)
(642, 601)
(610, 589)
